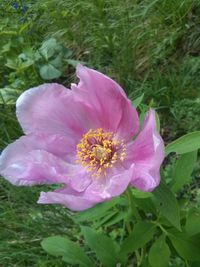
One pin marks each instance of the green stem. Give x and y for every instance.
(128, 227)
(134, 212)
(133, 208)
(161, 227)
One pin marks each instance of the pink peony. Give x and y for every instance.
(87, 139)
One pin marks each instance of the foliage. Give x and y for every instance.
(151, 48)
(185, 115)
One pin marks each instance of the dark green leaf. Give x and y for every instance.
(109, 215)
(142, 233)
(98, 211)
(187, 143)
(183, 170)
(115, 219)
(105, 248)
(187, 247)
(167, 204)
(159, 253)
(192, 225)
(70, 251)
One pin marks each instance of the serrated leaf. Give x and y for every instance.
(183, 170)
(187, 143)
(49, 72)
(159, 253)
(105, 248)
(142, 233)
(70, 251)
(166, 202)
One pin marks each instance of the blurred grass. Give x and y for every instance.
(23, 225)
(148, 46)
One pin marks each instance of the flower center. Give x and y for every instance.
(98, 150)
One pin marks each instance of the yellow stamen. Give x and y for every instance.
(98, 150)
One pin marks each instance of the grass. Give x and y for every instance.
(148, 46)
(23, 225)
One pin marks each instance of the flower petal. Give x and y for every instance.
(53, 109)
(98, 191)
(36, 167)
(147, 152)
(36, 159)
(110, 104)
(111, 185)
(69, 198)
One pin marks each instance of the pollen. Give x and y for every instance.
(99, 150)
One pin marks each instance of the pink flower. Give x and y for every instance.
(85, 139)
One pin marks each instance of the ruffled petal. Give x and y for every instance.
(69, 198)
(111, 185)
(53, 109)
(99, 190)
(147, 153)
(111, 106)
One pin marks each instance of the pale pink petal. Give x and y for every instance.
(101, 189)
(36, 167)
(69, 198)
(111, 185)
(40, 159)
(53, 109)
(57, 145)
(111, 106)
(147, 153)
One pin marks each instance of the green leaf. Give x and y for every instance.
(70, 251)
(48, 48)
(49, 72)
(97, 211)
(159, 253)
(187, 247)
(183, 170)
(142, 233)
(116, 218)
(57, 62)
(192, 225)
(74, 63)
(187, 143)
(146, 204)
(9, 95)
(167, 204)
(138, 101)
(140, 194)
(157, 122)
(105, 248)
